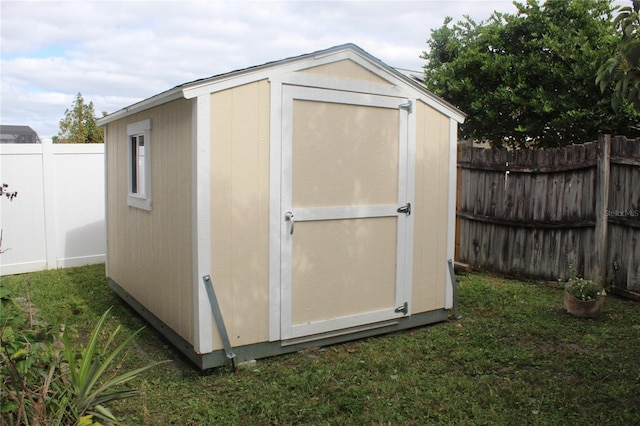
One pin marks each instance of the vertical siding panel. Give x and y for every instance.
(240, 210)
(430, 220)
(345, 69)
(222, 243)
(262, 291)
(244, 211)
(154, 267)
(421, 265)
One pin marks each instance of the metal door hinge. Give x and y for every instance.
(408, 106)
(404, 308)
(405, 209)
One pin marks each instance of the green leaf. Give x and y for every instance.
(8, 406)
(86, 371)
(4, 292)
(86, 421)
(7, 335)
(615, 102)
(104, 413)
(20, 353)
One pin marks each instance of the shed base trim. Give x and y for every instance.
(176, 340)
(267, 349)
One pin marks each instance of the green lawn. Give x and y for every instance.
(515, 357)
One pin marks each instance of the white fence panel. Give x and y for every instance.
(58, 218)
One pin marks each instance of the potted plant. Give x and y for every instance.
(583, 298)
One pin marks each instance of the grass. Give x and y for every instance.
(515, 357)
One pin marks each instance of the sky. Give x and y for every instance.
(116, 53)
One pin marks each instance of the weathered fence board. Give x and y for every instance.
(623, 212)
(546, 213)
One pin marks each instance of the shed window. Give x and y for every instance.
(139, 141)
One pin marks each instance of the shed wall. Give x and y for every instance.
(431, 215)
(240, 210)
(345, 69)
(150, 252)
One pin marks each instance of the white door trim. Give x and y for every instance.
(345, 212)
(201, 223)
(281, 326)
(275, 222)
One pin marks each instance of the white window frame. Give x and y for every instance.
(141, 198)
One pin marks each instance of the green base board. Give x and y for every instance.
(267, 349)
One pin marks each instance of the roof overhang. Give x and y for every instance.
(159, 99)
(272, 70)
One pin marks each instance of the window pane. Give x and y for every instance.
(134, 165)
(141, 173)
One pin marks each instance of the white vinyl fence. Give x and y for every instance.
(58, 218)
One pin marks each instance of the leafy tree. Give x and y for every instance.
(527, 80)
(79, 124)
(623, 69)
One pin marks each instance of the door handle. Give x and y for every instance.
(289, 217)
(405, 209)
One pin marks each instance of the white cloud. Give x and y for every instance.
(118, 52)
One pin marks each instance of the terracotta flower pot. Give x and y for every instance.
(583, 308)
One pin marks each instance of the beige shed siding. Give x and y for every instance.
(430, 220)
(342, 268)
(343, 155)
(345, 69)
(240, 210)
(336, 166)
(150, 253)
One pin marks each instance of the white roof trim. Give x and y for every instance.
(159, 99)
(271, 71)
(281, 71)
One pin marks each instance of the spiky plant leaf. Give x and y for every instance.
(86, 372)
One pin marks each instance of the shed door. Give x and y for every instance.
(344, 243)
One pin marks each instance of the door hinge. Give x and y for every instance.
(405, 209)
(404, 308)
(408, 106)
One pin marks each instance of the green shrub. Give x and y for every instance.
(47, 380)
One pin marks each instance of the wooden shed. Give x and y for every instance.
(298, 203)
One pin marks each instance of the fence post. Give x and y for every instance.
(602, 206)
(48, 191)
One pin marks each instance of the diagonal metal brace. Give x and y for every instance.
(454, 284)
(217, 314)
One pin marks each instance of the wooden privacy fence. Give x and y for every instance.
(553, 213)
